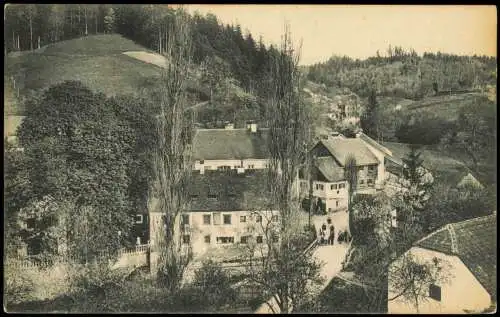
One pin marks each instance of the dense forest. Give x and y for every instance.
(405, 74)
(221, 51)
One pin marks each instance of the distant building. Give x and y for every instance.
(469, 247)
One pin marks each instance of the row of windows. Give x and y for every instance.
(368, 181)
(227, 219)
(370, 168)
(332, 187)
(186, 239)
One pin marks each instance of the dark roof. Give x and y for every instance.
(475, 245)
(231, 191)
(226, 144)
(340, 148)
(328, 168)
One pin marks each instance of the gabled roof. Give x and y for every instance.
(328, 168)
(340, 148)
(469, 179)
(226, 144)
(474, 242)
(374, 143)
(228, 191)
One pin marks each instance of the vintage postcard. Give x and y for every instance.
(250, 158)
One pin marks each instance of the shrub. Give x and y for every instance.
(212, 285)
(19, 283)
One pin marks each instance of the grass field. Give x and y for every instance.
(448, 166)
(97, 61)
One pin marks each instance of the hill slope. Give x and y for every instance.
(97, 61)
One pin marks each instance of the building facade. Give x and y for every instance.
(468, 249)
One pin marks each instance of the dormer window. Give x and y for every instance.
(202, 162)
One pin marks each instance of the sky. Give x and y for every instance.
(359, 31)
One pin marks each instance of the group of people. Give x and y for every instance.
(327, 234)
(324, 238)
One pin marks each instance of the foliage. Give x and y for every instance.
(407, 75)
(476, 131)
(423, 129)
(214, 285)
(450, 205)
(369, 120)
(172, 152)
(18, 286)
(83, 143)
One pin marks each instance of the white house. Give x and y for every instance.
(328, 179)
(230, 149)
(469, 249)
(228, 205)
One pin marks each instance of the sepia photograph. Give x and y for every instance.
(257, 159)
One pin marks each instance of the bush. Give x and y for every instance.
(19, 283)
(24, 283)
(212, 286)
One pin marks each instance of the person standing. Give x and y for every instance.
(332, 235)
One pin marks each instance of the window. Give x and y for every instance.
(337, 203)
(206, 219)
(259, 239)
(274, 218)
(435, 292)
(185, 219)
(251, 166)
(216, 218)
(342, 185)
(372, 168)
(225, 240)
(138, 219)
(202, 162)
(243, 218)
(208, 167)
(320, 187)
(362, 182)
(258, 218)
(212, 196)
(333, 187)
(369, 181)
(338, 191)
(207, 239)
(329, 209)
(186, 239)
(227, 219)
(30, 223)
(244, 239)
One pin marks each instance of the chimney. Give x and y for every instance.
(229, 126)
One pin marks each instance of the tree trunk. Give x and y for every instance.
(86, 22)
(13, 41)
(96, 19)
(159, 41)
(38, 41)
(18, 43)
(31, 33)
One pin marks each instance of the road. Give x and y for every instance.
(330, 255)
